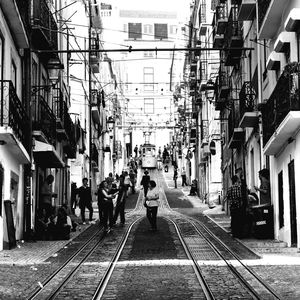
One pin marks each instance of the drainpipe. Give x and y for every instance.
(259, 95)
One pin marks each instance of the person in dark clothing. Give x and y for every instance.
(73, 197)
(136, 150)
(107, 204)
(85, 200)
(100, 203)
(120, 206)
(145, 182)
(175, 176)
(132, 180)
(234, 198)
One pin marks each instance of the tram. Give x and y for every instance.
(148, 156)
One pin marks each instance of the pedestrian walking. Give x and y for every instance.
(183, 177)
(100, 202)
(151, 202)
(136, 150)
(85, 200)
(47, 195)
(175, 176)
(132, 176)
(120, 205)
(108, 206)
(145, 182)
(234, 199)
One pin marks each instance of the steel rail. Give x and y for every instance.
(203, 283)
(105, 279)
(76, 253)
(238, 259)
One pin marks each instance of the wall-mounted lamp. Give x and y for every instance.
(110, 123)
(54, 67)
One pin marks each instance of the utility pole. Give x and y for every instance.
(90, 95)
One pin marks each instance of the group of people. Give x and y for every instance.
(54, 226)
(238, 197)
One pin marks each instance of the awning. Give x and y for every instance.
(284, 38)
(293, 20)
(46, 156)
(273, 62)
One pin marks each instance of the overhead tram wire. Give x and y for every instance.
(156, 49)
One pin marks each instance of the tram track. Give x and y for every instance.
(50, 287)
(201, 246)
(232, 260)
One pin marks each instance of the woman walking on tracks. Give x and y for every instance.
(151, 204)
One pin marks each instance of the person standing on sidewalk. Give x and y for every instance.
(183, 177)
(85, 200)
(47, 195)
(175, 176)
(151, 202)
(235, 201)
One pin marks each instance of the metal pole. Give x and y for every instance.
(90, 95)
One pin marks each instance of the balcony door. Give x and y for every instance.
(293, 215)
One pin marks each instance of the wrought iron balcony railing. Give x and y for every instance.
(247, 98)
(284, 98)
(221, 18)
(70, 128)
(43, 118)
(263, 6)
(12, 112)
(44, 25)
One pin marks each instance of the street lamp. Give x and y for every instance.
(110, 123)
(54, 67)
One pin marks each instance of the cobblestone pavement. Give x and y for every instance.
(25, 266)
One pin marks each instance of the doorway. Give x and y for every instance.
(293, 216)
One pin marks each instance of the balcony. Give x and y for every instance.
(95, 56)
(270, 17)
(274, 59)
(14, 122)
(43, 120)
(70, 147)
(292, 22)
(44, 27)
(281, 113)
(246, 11)
(284, 40)
(218, 40)
(233, 38)
(221, 18)
(59, 108)
(236, 134)
(249, 117)
(95, 158)
(96, 103)
(16, 13)
(223, 86)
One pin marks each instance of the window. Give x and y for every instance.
(1, 57)
(14, 74)
(280, 200)
(135, 30)
(149, 106)
(161, 31)
(148, 79)
(148, 29)
(173, 29)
